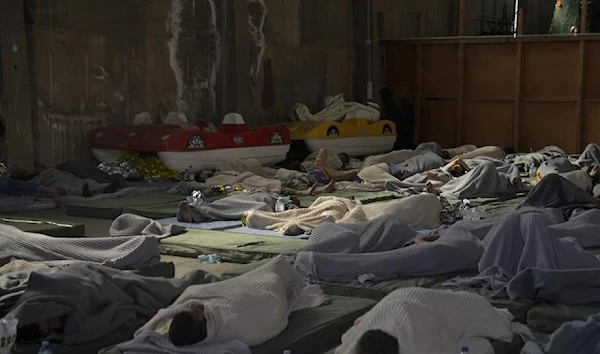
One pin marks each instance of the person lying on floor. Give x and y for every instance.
(228, 310)
(383, 248)
(403, 320)
(480, 177)
(65, 305)
(556, 191)
(74, 185)
(530, 243)
(17, 188)
(232, 207)
(525, 161)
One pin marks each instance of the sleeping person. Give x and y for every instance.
(16, 188)
(227, 311)
(403, 320)
(65, 305)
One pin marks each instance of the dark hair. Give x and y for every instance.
(377, 341)
(344, 157)
(186, 330)
(29, 333)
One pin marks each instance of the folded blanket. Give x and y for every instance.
(269, 293)
(435, 321)
(115, 252)
(92, 314)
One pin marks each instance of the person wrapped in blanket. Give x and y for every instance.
(17, 188)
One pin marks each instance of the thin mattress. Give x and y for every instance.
(548, 317)
(364, 197)
(112, 208)
(232, 247)
(52, 228)
(314, 330)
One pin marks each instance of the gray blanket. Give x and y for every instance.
(232, 207)
(186, 188)
(115, 252)
(581, 337)
(590, 157)
(92, 314)
(487, 179)
(535, 239)
(429, 147)
(523, 161)
(554, 191)
(73, 185)
(556, 165)
(131, 224)
(416, 164)
(373, 250)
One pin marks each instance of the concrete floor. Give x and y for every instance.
(99, 228)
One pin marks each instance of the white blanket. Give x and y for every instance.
(336, 110)
(436, 321)
(251, 308)
(417, 211)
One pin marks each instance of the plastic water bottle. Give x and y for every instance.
(287, 352)
(464, 350)
(532, 170)
(45, 348)
(191, 176)
(280, 204)
(209, 258)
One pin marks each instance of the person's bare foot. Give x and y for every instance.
(328, 188)
(431, 189)
(184, 214)
(308, 191)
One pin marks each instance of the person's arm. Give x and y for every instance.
(457, 162)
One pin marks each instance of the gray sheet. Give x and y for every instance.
(485, 180)
(115, 252)
(416, 164)
(590, 157)
(535, 239)
(523, 161)
(232, 207)
(374, 250)
(73, 185)
(556, 165)
(91, 314)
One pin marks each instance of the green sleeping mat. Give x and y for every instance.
(362, 196)
(46, 227)
(232, 247)
(489, 208)
(314, 330)
(112, 208)
(548, 317)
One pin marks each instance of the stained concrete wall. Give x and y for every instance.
(100, 62)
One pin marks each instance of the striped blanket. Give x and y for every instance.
(232, 307)
(373, 250)
(435, 321)
(116, 252)
(535, 239)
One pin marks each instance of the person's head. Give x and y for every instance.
(457, 170)
(204, 175)
(445, 154)
(377, 341)
(344, 157)
(188, 327)
(50, 329)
